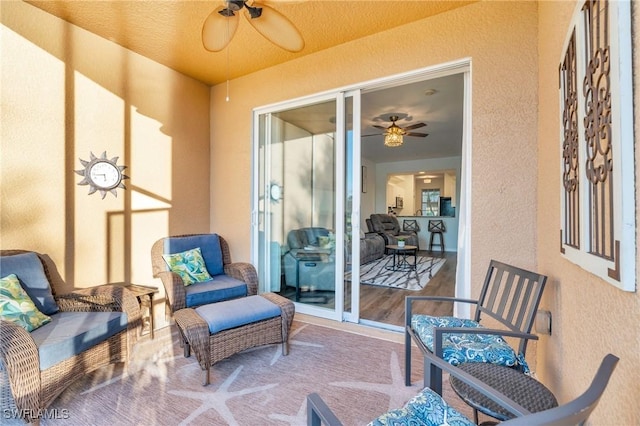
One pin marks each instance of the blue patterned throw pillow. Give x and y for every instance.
(16, 305)
(189, 265)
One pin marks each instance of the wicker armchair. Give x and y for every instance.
(173, 284)
(27, 389)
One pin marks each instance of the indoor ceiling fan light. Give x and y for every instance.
(277, 28)
(393, 137)
(218, 29)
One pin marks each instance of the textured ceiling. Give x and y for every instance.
(169, 32)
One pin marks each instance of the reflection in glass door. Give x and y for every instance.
(297, 248)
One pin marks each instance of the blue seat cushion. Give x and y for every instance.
(425, 409)
(209, 246)
(28, 268)
(235, 313)
(459, 348)
(218, 289)
(71, 333)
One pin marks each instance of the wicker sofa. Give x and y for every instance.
(89, 329)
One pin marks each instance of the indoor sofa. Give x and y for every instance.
(372, 247)
(48, 340)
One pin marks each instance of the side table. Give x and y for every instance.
(523, 389)
(316, 255)
(144, 294)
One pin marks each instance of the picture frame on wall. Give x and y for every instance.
(364, 179)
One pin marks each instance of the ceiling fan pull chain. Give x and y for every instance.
(228, 48)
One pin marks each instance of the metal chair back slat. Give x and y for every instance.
(511, 296)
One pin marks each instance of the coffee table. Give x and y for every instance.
(523, 389)
(401, 257)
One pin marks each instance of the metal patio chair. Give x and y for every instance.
(510, 297)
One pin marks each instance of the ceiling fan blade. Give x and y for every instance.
(379, 127)
(414, 126)
(218, 30)
(419, 135)
(375, 134)
(276, 28)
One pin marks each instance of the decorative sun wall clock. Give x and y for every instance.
(102, 174)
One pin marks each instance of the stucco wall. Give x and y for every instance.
(66, 93)
(500, 37)
(590, 317)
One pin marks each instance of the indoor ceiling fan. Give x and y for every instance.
(220, 26)
(394, 133)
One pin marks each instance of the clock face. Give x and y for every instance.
(104, 175)
(275, 192)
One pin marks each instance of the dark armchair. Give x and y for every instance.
(388, 226)
(309, 262)
(428, 408)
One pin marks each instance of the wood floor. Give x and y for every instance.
(386, 305)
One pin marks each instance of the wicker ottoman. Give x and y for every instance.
(222, 329)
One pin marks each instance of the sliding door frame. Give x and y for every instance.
(462, 286)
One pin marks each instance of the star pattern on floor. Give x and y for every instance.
(300, 419)
(292, 342)
(217, 400)
(398, 393)
(155, 368)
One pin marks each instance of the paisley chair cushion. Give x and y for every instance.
(425, 409)
(459, 348)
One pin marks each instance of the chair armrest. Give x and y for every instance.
(19, 355)
(103, 298)
(319, 413)
(174, 288)
(483, 388)
(408, 303)
(244, 272)
(441, 298)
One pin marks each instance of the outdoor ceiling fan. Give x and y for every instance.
(221, 25)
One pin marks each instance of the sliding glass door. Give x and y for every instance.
(304, 203)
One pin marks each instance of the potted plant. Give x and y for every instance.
(400, 242)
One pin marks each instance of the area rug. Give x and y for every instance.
(359, 377)
(379, 273)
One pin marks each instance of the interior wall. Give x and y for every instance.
(590, 317)
(67, 93)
